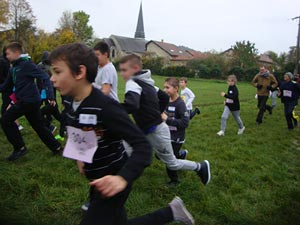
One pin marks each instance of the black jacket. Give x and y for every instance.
(142, 101)
(113, 125)
(178, 120)
(4, 68)
(21, 80)
(232, 98)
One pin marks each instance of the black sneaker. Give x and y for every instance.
(197, 110)
(270, 111)
(58, 151)
(17, 154)
(204, 172)
(52, 128)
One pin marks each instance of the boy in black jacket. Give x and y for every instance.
(26, 98)
(4, 68)
(141, 100)
(96, 126)
(232, 105)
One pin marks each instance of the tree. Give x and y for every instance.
(82, 30)
(77, 23)
(245, 54)
(66, 21)
(4, 13)
(21, 20)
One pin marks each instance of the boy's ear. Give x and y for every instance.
(81, 73)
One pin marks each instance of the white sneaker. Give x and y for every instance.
(180, 213)
(241, 131)
(221, 133)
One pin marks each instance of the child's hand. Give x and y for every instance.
(164, 116)
(223, 94)
(80, 167)
(109, 186)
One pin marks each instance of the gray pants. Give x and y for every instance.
(236, 116)
(160, 140)
(274, 98)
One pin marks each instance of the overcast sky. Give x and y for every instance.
(200, 24)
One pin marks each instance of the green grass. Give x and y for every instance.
(255, 177)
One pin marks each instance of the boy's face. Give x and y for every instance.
(230, 82)
(63, 79)
(102, 58)
(170, 90)
(128, 70)
(182, 84)
(12, 55)
(287, 78)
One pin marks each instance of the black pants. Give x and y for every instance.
(173, 175)
(33, 114)
(5, 102)
(47, 112)
(262, 106)
(288, 111)
(111, 211)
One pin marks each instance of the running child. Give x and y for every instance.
(232, 106)
(289, 94)
(141, 100)
(188, 97)
(177, 118)
(26, 98)
(107, 77)
(97, 124)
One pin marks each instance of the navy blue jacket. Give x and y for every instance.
(289, 91)
(21, 81)
(232, 98)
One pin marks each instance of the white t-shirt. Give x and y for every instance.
(108, 75)
(188, 97)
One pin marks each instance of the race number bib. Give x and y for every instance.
(228, 100)
(81, 145)
(287, 93)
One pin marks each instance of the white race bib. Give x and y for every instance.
(171, 108)
(88, 119)
(81, 145)
(287, 93)
(228, 100)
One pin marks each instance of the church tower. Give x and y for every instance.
(140, 32)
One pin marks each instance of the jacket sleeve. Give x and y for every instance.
(8, 84)
(274, 82)
(190, 98)
(163, 100)
(131, 102)
(182, 117)
(118, 121)
(254, 81)
(39, 74)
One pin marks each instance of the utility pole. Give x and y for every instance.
(298, 47)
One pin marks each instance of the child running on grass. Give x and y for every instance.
(26, 98)
(96, 125)
(289, 94)
(188, 97)
(232, 106)
(141, 100)
(177, 118)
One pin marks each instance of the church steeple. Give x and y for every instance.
(140, 32)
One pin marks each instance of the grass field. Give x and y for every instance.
(255, 177)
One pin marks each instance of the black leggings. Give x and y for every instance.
(173, 175)
(111, 211)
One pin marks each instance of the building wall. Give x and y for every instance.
(153, 48)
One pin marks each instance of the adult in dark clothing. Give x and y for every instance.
(289, 94)
(264, 82)
(4, 68)
(21, 81)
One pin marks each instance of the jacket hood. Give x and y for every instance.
(45, 57)
(265, 74)
(23, 57)
(145, 76)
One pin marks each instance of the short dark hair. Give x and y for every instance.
(184, 79)
(132, 59)
(15, 46)
(103, 48)
(74, 55)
